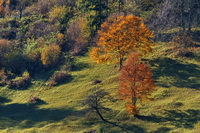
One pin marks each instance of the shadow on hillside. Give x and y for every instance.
(196, 36)
(177, 118)
(127, 128)
(79, 66)
(182, 75)
(197, 57)
(25, 116)
(4, 100)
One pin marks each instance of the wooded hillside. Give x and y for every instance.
(100, 66)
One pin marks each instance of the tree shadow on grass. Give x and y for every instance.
(79, 66)
(26, 116)
(113, 127)
(162, 130)
(127, 128)
(116, 127)
(182, 75)
(177, 118)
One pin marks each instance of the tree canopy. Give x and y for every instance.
(120, 36)
(135, 83)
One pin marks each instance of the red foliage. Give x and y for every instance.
(136, 83)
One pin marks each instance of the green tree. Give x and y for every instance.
(97, 10)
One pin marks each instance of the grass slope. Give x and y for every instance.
(176, 108)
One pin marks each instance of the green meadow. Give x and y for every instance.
(175, 108)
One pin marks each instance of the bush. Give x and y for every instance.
(50, 55)
(20, 82)
(183, 40)
(35, 101)
(59, 77)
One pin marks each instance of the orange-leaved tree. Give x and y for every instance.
(119, 36)
(135, 83)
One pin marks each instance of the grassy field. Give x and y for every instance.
(176, 108)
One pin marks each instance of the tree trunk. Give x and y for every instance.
(20, 12)
(182, 16)
(120, 63)
(107, 10)
(119, 6)
(99, 114)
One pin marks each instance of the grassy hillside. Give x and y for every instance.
(176, 108)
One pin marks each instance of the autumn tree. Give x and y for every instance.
(119, 36)
(50, 55)
(4, 7)
(135, 84)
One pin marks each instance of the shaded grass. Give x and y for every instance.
(176, 73)
(176, 107)
(26, 116)
(4, 100)
(177, 118)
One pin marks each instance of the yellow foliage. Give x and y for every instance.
(8, 2)
(4, 46)
(26, 74)
(120, 36)
(58, 13)
(60, 36)
(50, 55)
(34, 55)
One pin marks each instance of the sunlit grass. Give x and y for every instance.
(175, 108)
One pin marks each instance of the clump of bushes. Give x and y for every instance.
(182, 45)
(50, 55)
(20, 82)
(183, 40)
(59, 77)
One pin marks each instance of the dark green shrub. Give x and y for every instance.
(20, 82)
(59, 77)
